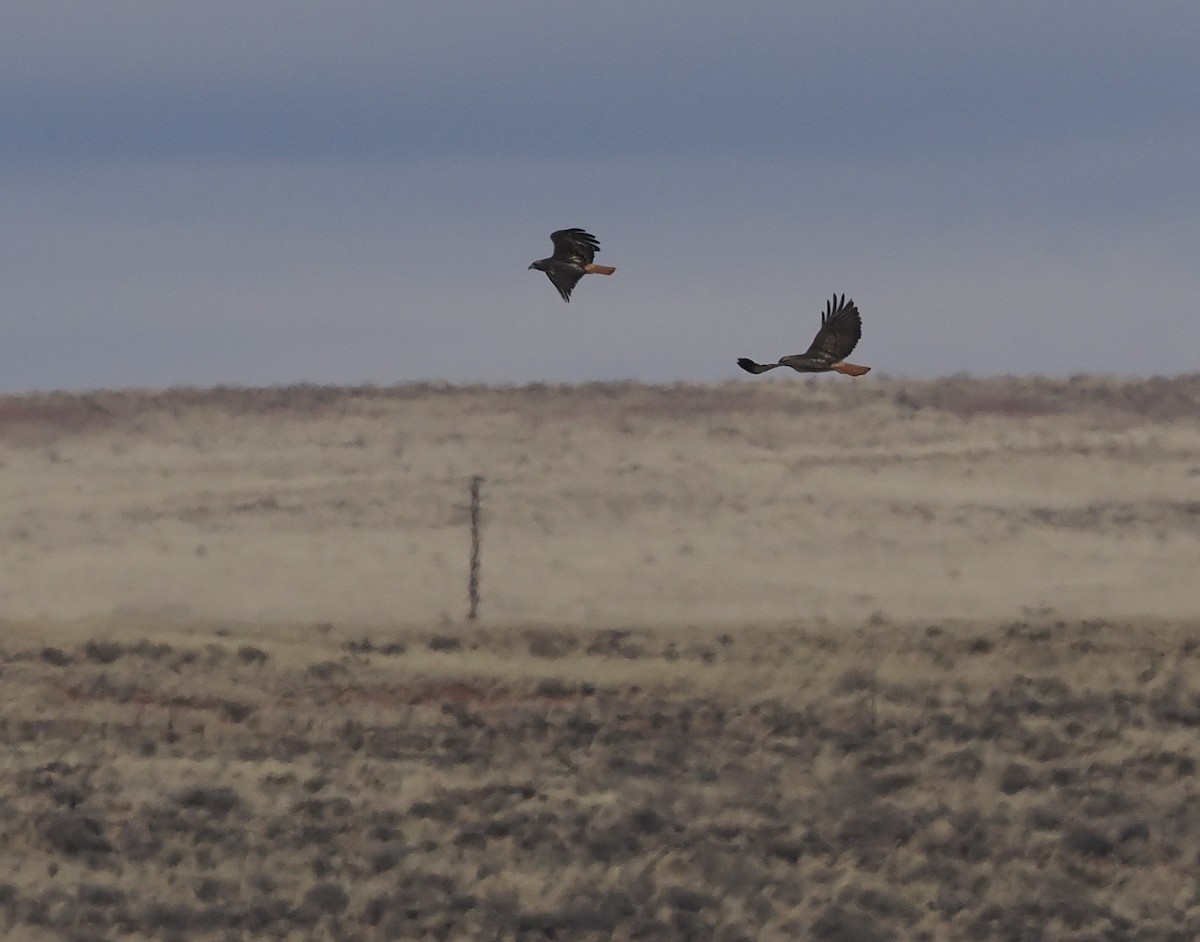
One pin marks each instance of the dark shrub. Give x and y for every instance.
(252, 655)
(444, 643)
(75, 833)
(104, 652)
(327, 898)
(1087, 842)
(217, 800)
(56, 657)
(1015, 777)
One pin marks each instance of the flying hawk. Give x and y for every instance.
(574, 250)
(840, 330)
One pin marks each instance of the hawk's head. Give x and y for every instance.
(538, 265)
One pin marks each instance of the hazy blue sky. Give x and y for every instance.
(272, 192)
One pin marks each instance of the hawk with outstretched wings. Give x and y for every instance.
(841, 328)
(574, 254)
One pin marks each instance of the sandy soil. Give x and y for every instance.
(606, 504)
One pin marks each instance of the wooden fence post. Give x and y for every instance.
(473, 580)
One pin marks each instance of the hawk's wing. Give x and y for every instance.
(564, 277)
(841, 329)
(574, 246)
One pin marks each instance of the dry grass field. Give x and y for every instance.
(771, 660)
(606, 504)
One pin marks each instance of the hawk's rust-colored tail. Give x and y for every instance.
(850, 369)
(594, 269)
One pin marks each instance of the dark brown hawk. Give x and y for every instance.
(574, 251)
(841, 328)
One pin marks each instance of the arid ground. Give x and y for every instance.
(604, 504)
(852, 661)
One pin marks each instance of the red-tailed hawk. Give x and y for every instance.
(840, 331)
(574, 251)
